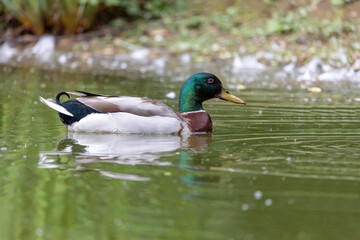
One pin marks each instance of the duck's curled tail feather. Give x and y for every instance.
(59, 95)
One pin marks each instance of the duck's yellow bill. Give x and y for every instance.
(225, 95)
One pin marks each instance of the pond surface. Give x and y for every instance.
(285, 166)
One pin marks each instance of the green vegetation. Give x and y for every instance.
(64, 16)
(300, 22)
(76, 16)
(213, 29)
(210, 28)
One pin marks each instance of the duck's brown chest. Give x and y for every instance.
(198, 121)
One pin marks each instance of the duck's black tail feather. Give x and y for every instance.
(70, 111)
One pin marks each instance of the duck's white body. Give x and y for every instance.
(123, 122)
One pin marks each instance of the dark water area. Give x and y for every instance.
(285, 166)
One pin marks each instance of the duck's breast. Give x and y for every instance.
(198, 121)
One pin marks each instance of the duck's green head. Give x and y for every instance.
(201, 87)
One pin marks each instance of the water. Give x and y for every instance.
(285, 166)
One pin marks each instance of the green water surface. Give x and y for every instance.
(285, 166)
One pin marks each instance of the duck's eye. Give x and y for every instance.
(210, 80)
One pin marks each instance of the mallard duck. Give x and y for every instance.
(117, 114)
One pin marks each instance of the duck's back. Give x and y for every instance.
(135, 105)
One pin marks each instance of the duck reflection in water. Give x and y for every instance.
(78, 151)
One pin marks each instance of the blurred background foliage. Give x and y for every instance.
(204, 26)
(77, 16)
